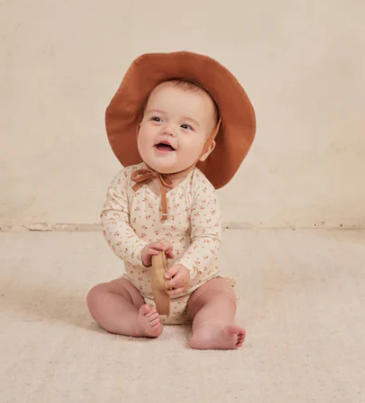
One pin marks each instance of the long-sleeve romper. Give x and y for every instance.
(132, 219)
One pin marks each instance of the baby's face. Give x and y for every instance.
(177, 123)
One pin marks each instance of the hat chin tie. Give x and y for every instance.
(143, 176)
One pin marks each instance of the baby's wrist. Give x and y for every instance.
(183, 267)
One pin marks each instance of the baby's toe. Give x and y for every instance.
(151, 313)
(156, 316)
(234, 329)
(145, 310)
(240, 342)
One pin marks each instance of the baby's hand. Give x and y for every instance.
(154, 248)
(178, 278)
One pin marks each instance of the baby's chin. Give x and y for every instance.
(167, 167)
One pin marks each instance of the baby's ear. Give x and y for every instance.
(208, 152)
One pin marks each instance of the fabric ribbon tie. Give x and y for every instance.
(143, 176)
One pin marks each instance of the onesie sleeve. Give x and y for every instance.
(206, 231)
(115, 222)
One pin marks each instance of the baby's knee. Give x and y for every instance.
(96, 295)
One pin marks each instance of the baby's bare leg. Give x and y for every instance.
(119, 308)
(212, 308)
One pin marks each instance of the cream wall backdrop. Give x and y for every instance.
(301, 62)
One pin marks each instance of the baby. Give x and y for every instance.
(165, 203)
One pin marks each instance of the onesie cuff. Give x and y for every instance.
(136, 255)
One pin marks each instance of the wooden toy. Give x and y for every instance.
(162, 299)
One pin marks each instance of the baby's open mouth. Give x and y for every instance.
(164, 147)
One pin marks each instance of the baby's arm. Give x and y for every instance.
(206, 231)
(115, 222)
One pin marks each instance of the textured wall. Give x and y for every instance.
(301, 62)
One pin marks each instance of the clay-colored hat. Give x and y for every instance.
(238, 124)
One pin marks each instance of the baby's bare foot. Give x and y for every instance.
(148, 322)
(218, 337)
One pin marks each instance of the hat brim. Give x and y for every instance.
(238, 126)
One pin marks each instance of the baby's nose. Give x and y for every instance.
(169, 130)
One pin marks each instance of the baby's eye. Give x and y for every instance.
(156, 119)
(185, 126)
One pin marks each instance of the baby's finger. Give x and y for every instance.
(158, 246)
(170, 284)
(168, 245)
(157, 251)
(153, 252)
(161, 246)
(172, 271)
(176, 291)
(177, 281)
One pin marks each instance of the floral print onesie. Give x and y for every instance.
(132, 219)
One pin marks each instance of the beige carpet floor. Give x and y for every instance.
(301, 300)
